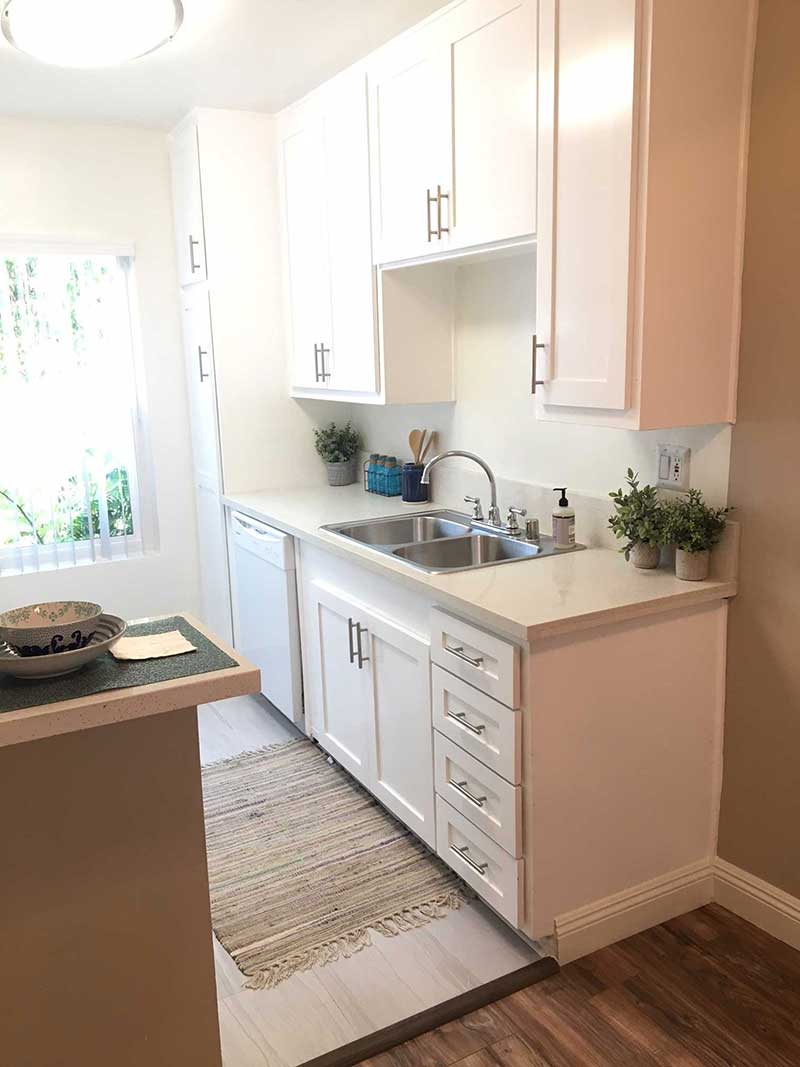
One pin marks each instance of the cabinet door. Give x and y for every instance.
(587, 91)
(493, 56)
(215, 591)
(411, 150)
(306, 228)
(353, 360)
(342, 719)
(199, 348)
(188, 201)
(401, 732)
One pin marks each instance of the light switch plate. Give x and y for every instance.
(674, 468)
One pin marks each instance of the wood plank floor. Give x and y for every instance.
(323, 1009)
(705, 990)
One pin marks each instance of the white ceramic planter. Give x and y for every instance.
(645, 556)
(691, 566)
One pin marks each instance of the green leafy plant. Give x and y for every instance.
(691, 525)
(638, 515)
(337, 444)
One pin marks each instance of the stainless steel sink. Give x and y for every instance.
(442, 541)
(407, 529)
(461, 553)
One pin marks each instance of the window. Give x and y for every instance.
(69, 418)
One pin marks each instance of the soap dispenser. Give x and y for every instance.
(563, 522)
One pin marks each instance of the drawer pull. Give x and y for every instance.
(461, 787)
(459, 653)
(462, 851)
(462, 718)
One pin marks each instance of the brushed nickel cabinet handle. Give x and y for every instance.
(362, 659)
(430, 200)
(200, 353)
(351, 625)
(194, 265)
(459, 653)
(462, 851)
(461, 787)
(440, 196)
(316, 363)
(462, 718)
(534, 380)
(323, 352)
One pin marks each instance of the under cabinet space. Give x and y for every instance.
(482, 796)
(482, 659)
(490, 870)
(480, 725)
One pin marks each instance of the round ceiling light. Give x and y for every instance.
(89, 33)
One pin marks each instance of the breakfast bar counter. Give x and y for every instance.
(105, 919)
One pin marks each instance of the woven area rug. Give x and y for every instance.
(304, 864)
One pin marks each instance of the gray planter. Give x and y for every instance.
(691, 566)
(341, 473)
(645, 556)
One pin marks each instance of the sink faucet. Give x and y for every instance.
(493, 517)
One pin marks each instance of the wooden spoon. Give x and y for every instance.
(415, 443)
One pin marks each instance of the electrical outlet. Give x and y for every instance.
(674, 467)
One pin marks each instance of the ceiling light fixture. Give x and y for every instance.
(89, 33)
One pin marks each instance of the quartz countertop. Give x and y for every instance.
(526, 600)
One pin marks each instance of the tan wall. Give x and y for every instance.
(760, 819)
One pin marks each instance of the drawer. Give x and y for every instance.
(488, 730)
(485, 661)
(490, 870)
(482, 796)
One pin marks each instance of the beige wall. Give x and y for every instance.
(760, 818)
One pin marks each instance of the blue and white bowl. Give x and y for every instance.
(47, 629)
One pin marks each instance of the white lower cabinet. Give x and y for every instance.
(373, 710)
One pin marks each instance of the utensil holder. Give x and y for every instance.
(414, 492)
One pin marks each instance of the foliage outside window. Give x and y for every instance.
(67, 410)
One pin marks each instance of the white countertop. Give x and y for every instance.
(527, 599)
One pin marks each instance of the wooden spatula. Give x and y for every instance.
(429, 438)
(415, 443)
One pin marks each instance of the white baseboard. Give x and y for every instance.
(755, 900)
(605, 921)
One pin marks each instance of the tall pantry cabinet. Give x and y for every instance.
(222, 171)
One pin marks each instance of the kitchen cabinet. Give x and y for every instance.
(453, 112)
(324, 168)
(642, 153)
(215, 597)
(373, 713)
(199, 348)
(187, 198)
(353, 334)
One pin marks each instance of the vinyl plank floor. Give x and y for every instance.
(396, 977)
(703, 990)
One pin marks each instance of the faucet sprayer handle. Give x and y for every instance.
(477, 510)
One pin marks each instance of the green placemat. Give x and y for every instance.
(107, 673)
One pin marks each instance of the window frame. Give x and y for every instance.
(30, 559)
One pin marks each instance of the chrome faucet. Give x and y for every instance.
(493, 517)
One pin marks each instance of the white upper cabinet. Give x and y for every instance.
(642, 152)
(187, 198)
(324, 167)
(453, 114)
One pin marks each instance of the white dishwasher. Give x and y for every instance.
(266, 623)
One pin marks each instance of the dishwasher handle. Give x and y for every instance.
(273, 546)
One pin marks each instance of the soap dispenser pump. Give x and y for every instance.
(563, 521)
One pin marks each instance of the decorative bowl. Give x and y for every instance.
(109, 630)
(51, 628)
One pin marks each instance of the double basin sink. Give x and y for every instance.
(440, 541)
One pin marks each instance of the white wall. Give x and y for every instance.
(112, 184)
(494, 414)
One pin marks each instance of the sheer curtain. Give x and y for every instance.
(68, 410)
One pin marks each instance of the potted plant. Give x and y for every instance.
(694, 528)
(338, 447)
(638, 519)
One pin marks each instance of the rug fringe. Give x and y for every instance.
(234, 761)
(357, 940)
